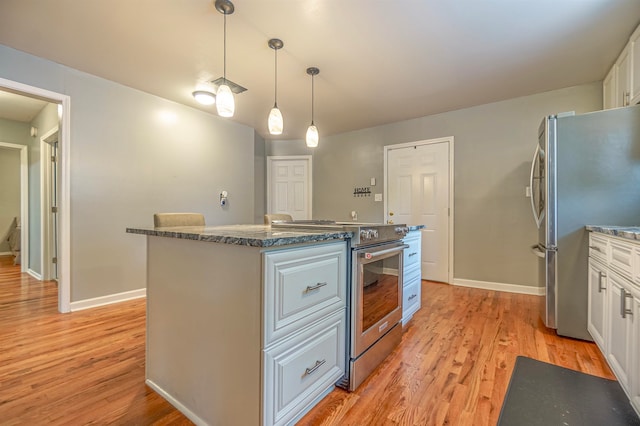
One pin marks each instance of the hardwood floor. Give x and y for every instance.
(452, 367)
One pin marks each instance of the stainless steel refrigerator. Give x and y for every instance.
(585, 171)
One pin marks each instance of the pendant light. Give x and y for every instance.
(276, 123)
(312, 131)
(225, 103)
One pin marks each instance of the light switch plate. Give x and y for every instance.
(378, 197)
(373, 181)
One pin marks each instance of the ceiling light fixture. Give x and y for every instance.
(312, 131)
(225, 103)
(276, 123)
(204, 97)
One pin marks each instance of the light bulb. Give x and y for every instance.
(276, 123)
(204, 97)
(224, 101)
(312, 136)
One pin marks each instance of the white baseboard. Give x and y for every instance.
(34, 274)
(177, 404)
(6, 253)
(509, 288)
(107, 300)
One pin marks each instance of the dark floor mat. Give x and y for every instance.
(545, 394)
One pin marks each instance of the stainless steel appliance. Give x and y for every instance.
(374, 308)
(585, 170)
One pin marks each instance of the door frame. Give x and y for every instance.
(46, 226)
(64, 154)
(309, 159)
(24, 202)
(450, 141)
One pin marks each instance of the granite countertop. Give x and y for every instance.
(628, 232)
(245, 235)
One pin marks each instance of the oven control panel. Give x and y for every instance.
(368, 234)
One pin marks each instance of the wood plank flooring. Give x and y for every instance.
(452, 367)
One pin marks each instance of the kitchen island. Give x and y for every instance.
(245, 324)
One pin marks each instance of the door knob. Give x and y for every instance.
(390, 222)
(390, 213)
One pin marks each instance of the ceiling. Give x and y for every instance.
(380, 61)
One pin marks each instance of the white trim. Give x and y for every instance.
(24, 202)
(509, 288)
(177, 404)
(64, 153)
(108, 300)
(450, 141)
(46, 230)
(34, 274)
(6, 253)
(309, 160)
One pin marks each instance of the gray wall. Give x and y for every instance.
(134, 154)
(260, 179)
(9, 192)
(494, 145)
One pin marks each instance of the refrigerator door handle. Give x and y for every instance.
(533, 193)
(535, 249)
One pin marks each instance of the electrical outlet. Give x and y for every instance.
(527, 191)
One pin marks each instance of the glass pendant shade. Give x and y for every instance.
(224, 101)
(312, 136)
(276, 123)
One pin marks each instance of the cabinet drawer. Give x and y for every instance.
(621, 257)
(412, 254)
(598, 247)
(301, 286)
(411, 275)
(298, 370)
(410, 300)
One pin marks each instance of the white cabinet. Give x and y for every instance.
(621, 86)
(609, 89)
(304, 328)
(597, 302)
(634, 45)
(623, 70)
(614, 307)
(411, 286)
(619, 330)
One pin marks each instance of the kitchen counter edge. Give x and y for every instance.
(244, 235)
(628, 232)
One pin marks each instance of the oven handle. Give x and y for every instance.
(374, 254)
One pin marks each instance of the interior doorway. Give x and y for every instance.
(419, 191)
(22, 222)
(62, 184)
(289, 186)
(49, 178)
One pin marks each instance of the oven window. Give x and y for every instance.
(380, 290)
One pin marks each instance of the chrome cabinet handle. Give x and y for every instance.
(413, 296)
(600, 287)
(596, 248)
(623, 306)
(314, 287)
(413, 254)
(311, 370)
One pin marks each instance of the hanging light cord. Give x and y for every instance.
(224, 62)
(275, 96)
(312, 97)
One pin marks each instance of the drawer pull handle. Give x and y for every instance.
(600, 286)
(596, 248)
(312, 370)
(314, 287)
(413, 254)
(623, 305)
(413, 296)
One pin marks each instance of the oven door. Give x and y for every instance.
(377, 294)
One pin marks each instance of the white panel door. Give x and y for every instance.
(289, 186)
(418, 194)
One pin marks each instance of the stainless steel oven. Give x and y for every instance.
(376, 308)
